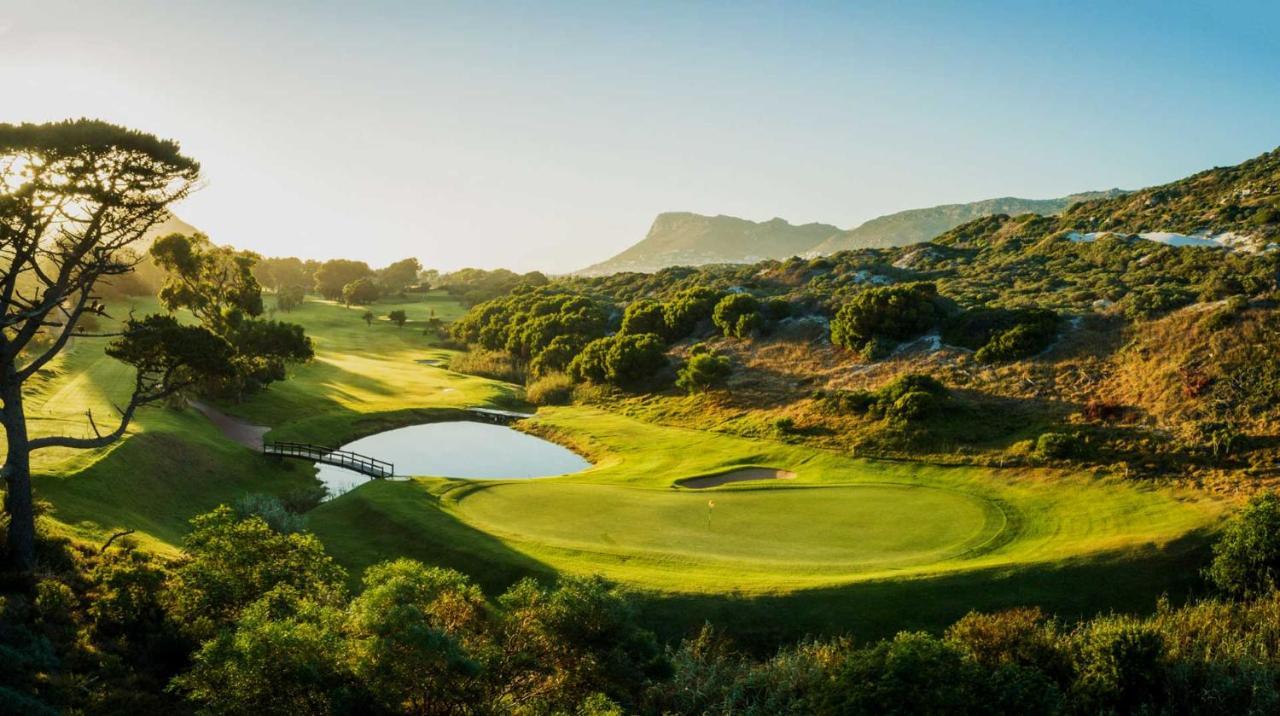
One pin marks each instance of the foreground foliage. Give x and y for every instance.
(254, 621)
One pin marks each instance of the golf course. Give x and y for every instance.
(695, 520)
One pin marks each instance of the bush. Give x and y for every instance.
(913, 407)
(687, 309)
(290, 297)
(703, 371)
(556, 356)
(398, 317)
(891, 312)
(1153, 301)
(633, 359)
(909, 398)
(550, 389)
(999, 334)
(643, 316)
(590, 365)
(1055, 445)
(738, 315)
(1246, 559)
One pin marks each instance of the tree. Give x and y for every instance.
(703, 371)
(279, 273)
(398, 317)
(283, 655)
(893, 312)
(290, 297)
(216, 284)
(367, 318)
(399, 275)
(643, 316)
(362, 291)
(687, 309)
(75, 199)
(737, 315)
(414, 633)
(229, 563)
(1246, 559)
(633, 359)
(332, 276)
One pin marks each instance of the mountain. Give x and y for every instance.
(685, 239)
(171, 225)
(918, 225)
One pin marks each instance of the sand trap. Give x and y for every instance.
(743, 474)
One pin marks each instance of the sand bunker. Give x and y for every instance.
(743, 474)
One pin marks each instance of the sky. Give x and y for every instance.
(547, 135)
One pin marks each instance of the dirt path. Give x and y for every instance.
(745, 474)
(245, 433)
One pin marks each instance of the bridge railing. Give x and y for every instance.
(342, 458)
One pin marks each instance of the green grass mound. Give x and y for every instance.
(765, 532)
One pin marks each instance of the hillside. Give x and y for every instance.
(918, 225)
(686, 239)
(1243, 200)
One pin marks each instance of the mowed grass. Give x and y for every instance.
(173, 465)
(847, 545)
(840, 521)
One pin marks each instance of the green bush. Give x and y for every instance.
(687, 309)
(643, 316)
(1056, 445)
(633, 359)
(890, 312)
(362, 291)
(1246, 559)
(738, 315)
(999, 334)
(703, 371)
(909, 398)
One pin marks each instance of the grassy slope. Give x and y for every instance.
(173, 465)
(1080, 545)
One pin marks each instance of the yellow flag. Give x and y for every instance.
(711, 503)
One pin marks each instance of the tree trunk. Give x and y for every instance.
(17, 477)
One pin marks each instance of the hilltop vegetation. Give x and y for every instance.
(685, 239)
(1105, 345)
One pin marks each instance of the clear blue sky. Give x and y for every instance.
(548, 135)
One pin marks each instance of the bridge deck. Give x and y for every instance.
(362, 464)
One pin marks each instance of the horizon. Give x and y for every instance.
(550, 138)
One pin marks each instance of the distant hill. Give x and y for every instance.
(171, 225)
(686, 239)
(918, 225)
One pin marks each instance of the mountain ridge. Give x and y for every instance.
(682, 238)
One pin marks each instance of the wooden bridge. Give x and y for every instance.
(362, 464)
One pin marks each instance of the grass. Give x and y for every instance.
(849, 544)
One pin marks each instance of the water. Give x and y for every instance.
(456, 449)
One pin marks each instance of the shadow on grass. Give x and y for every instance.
(385, 520)
(1129, 582)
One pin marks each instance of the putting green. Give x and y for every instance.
(832, 529)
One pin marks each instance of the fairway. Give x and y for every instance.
(841, 539)
(830, 529)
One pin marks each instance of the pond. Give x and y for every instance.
(456, 449)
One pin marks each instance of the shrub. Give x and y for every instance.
(643, 316)
(687, 309)
(703, 371)
(556, 356)
(1246, 558)
(891, 312)
(270, 509)
(1000, 334)
(909, 398)
(590, 365)
(550, 389)
(398, 317)
(633, 359)
(914, 406)
(1055, 445)
(1152, 301)
(738, 315)
(877, 348)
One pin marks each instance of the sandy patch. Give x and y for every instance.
(742, 474)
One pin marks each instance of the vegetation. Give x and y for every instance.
(892, 313)
(705, 370)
